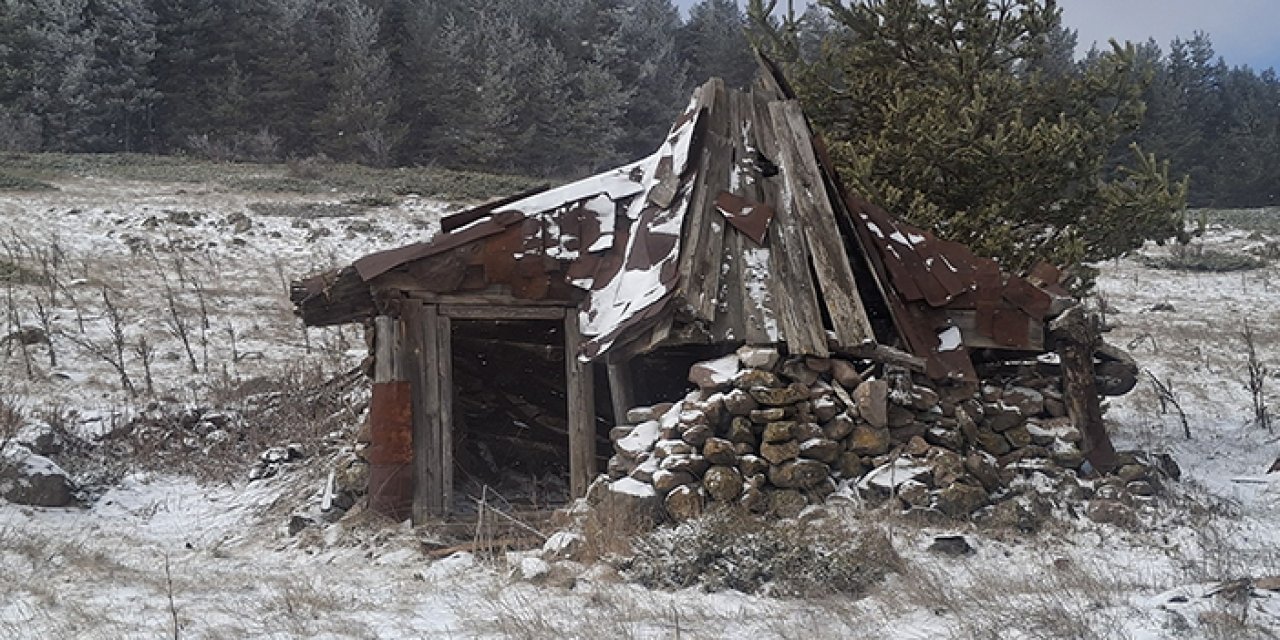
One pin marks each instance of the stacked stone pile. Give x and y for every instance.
(774, 434)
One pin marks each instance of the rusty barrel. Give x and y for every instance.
(390, 452)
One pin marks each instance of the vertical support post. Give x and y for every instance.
(384, 349)
(582, 411)
(444, 368)
(620, 392)
(422, 347)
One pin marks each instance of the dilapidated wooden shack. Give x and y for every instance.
(735, 231)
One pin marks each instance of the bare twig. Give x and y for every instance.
(173, 608)
(1164, 393)
(1256, 383)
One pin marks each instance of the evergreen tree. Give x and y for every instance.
(639, 49)
(948, 114)
(20, 130)
(199, 84)
(120, 95)
(355, 122)
(714, 43)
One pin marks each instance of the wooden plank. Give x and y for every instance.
(444, 373)
(499, 312)
(582, 413)
(731, 320)
(421, 337)
(815, 215)
(496, 296)
(620, 389)
(793, 295)
(700, 252)
(384, 349)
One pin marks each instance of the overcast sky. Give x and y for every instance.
(1242, 31)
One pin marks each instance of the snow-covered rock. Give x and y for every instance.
(31, 479)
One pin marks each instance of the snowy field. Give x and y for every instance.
(165, 551)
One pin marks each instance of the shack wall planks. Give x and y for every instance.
(421, 325)
(792, 291)
(815, 215)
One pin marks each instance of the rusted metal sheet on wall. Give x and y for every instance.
(391, 451)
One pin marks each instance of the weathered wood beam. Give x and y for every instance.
(500, 312)
(883, 354)
(444, 373)
(384, 356)
(582, 413)
(620, 389)
(814, 212)
(333, 297)
(421, 330)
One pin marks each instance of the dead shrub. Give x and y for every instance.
(1195, 257)
(609, 528)
(732, 549)
(309, 168)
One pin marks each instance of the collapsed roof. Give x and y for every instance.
(735, 230)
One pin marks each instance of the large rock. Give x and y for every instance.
(684, 503)
(1028, 401)
(869, 441)
(1018, 436)
(772, 414)
(715, 374)
(694, 465)
(632, 497)
(779, 452)
(1001, 416)
(739, 431)
(959, 500)
(667, 481)
(30, 479)
(637, 415)
(872, 397)
(739, 403)
(798, 474)
(795, 369)
(825, 409)
(943, 437)
(820, 449)
(843, 372)
(758, 357)
(754, 378)
(773, 397)
(983, 467)
(696, 435)
(839, 427)
(779, 431)
(751, 466)
(992, 442)
(723, 483)
(719, 451)
(639, 440)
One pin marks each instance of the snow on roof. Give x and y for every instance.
(736, 226)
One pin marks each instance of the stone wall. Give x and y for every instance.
(775, 434)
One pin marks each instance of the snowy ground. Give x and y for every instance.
(213, 559)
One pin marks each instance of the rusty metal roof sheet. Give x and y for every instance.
(735, 229)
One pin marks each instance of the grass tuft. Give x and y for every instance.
(1196, 257)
